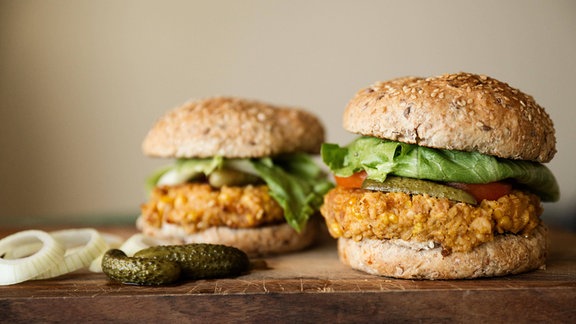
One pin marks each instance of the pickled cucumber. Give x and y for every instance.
(417, 186)
(231, 177)
(201, 260)
(139, 271)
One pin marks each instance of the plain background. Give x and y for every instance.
(82, 81)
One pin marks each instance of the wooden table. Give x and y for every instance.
(311, 286)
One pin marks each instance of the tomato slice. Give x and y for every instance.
(353, 181)
(489, 191)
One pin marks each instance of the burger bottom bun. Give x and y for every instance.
(260, 241)
(506, 254)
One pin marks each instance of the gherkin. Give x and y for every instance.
(139, 271)
(201, 260)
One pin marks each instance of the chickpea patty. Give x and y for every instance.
(198, 206)
(360, 213)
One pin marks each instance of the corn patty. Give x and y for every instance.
(359, 213)
(198, 206)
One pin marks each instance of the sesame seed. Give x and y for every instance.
(483, 126)
(407, 112)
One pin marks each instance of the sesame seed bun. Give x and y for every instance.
(246, 217)
(461, 111)
(506, 254)
(421, 236)
(233, 128)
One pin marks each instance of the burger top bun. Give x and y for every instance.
(461, 111)
(233, 128)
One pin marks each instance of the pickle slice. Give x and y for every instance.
(231, 177)
(419, 187)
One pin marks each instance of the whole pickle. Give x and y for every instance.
(131, 270)
(201, 260)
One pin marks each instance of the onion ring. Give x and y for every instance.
(139, 242)
(45, 256)
(82, 247)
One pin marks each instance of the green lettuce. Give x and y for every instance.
(380, 158)
(297, 184)
(294, 181)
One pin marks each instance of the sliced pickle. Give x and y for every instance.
(231, 177)
(419, 187)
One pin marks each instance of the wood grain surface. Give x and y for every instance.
(307, 287)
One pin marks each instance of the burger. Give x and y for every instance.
(445, 181)
(242, 175)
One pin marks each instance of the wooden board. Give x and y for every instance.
(311, 286)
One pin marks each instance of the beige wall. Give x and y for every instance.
(81, 81)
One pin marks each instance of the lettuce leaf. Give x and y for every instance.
(297, 184)
(294, 181)
(380, 157)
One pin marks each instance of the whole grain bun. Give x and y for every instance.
(507, 254)
(461, 111)
(233, 128)
(260, 241)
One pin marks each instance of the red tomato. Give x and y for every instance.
(489, 191)
(353, 181)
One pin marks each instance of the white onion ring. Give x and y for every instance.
(23, 250)
(22, 268)
(112, 240)
(82, 247)
(139, 242)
